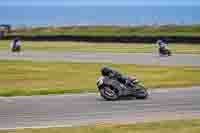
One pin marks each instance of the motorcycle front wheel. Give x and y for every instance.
(108, 93)
(141, 92)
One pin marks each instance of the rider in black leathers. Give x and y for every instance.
(113, 74)
(163, 47)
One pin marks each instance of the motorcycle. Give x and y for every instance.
(164, 52)
(112, 89)
(16, 45)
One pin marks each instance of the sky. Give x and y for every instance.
(99, 2)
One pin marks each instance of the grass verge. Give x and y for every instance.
(180, 126)
(101, 47)
(19, 78)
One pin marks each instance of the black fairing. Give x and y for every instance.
(164, 51)
(121, 88)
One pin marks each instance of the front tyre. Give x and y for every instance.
(109, 93)
(141, 92)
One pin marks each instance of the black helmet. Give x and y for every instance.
(159, 42)
(16, 39)
(105, 71)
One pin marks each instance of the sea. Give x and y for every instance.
(34, 16)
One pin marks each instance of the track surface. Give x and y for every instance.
(116, 58)
(81, 109)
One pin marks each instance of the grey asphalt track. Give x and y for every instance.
(115, 58)
(83, 109)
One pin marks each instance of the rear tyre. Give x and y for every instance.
(16, 49)
(109, 93)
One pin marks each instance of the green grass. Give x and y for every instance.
(102, 47)
(179, 126)
(42, 78)
(166, 30)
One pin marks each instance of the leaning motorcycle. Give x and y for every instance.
(111, 89)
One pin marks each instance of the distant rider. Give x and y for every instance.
(16, 45)
(162, 46)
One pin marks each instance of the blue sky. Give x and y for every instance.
(99, 2)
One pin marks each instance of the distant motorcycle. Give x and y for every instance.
(16, 45)
(163, 50)
(112, 89)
